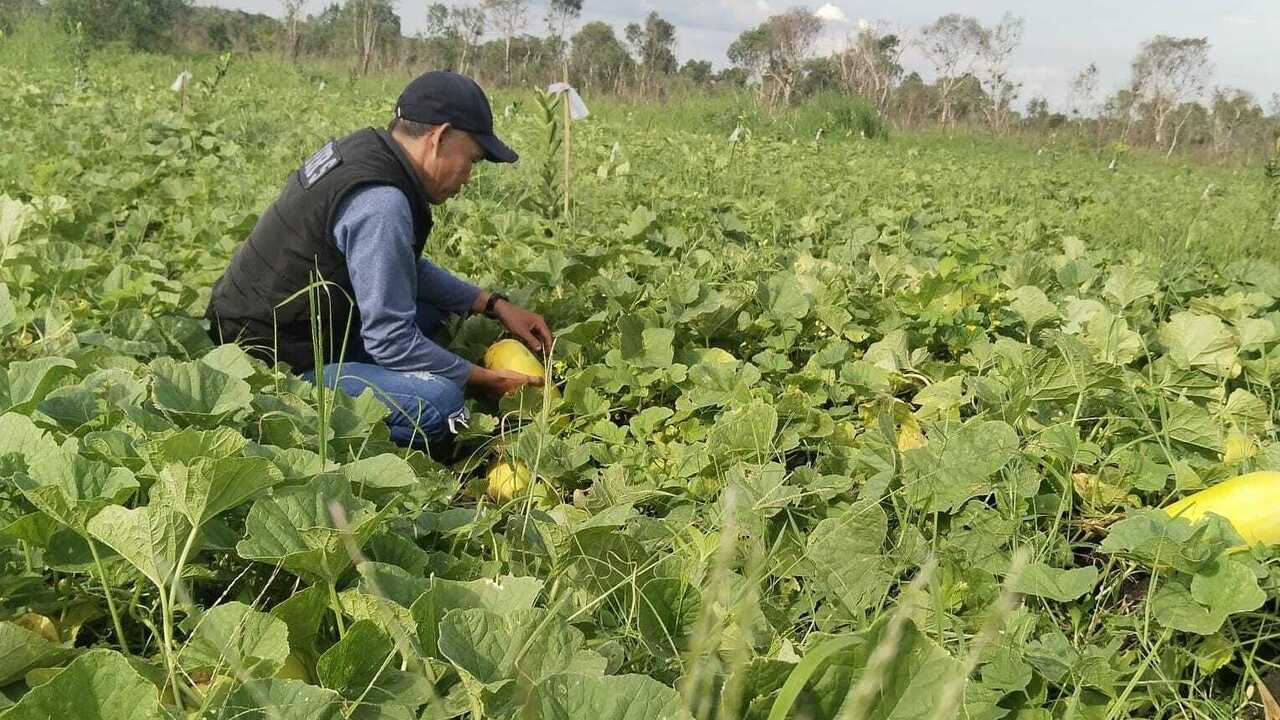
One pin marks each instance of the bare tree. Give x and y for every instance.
(1082, 98)
(994, 52)
(292, 14)
(794, 34)
(366, 33)
(560, 13)
(1169, 73)
(953, 46)
(468, 22)
(871, 62)
(509, 18)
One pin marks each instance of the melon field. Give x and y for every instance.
(846, 428)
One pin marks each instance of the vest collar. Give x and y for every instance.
(403, 159)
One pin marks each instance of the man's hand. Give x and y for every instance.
(527, 325)
(498, 383)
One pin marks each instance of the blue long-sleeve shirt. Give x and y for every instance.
(374, 231)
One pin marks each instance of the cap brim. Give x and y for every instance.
(494, 149)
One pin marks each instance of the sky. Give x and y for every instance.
(1061, 37)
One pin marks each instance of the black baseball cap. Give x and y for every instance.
(440, 97)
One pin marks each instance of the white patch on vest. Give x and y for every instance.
(321, 162)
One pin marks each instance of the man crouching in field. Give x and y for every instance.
(356, 215)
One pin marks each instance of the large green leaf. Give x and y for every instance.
(99, 685)
(310, 529)
(605, 697)
(1200, 342)
(1052, 583)
(354, 663)
(21, 650)
(274, 699)
(195, 393)
(29, 381)
(847, 558)
(526, 645)
(958, 464)
(63, 484)
(204, 489)
(910, 681)
(149, 537)
(234, 639)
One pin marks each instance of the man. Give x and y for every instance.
(331, 275)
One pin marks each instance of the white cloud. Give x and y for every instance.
(832, 14)
(1238, 20)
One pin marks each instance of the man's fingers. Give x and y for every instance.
(542, 331)
(530, 339)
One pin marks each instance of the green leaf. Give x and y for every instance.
(302, 613)
(1125, 286)
(70, 488)
(206, 489)
(958, 465)
(1033, 306)
(8, 313)
(148, 537)
(608, 697)
(847, 555)
(274, 699)
(21, 650)
(503, 596)
(646, 347)
(311, 529)
(99, 685)
(1042, 580)
(380, 472)
(909, 682)
(526, 645)
(356, 661)
(235, 639)
(1200, 342)
(748, 430)
(189, 446)
(195, 393)
(29, 381)
(1217, 591)
(230, 359)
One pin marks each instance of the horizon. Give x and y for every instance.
(1058, 43)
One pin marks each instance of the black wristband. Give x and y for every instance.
(492, 303)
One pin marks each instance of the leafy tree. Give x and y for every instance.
(144, 24)
(653, 46)
(697, 71)
(599, 59)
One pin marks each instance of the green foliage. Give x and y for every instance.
(144, 24)
(847, 429)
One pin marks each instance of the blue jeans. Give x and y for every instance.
(422, 405)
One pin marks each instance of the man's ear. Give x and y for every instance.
(435, 139)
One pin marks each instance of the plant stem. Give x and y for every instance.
(337, 609)
(111, 603)
(171, 664)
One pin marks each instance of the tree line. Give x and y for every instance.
(1169, 102)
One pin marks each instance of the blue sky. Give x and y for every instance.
(1060, 39)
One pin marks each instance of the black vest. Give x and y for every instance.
(262, 301)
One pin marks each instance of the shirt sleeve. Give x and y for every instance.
(374, 231)
(445, 290)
